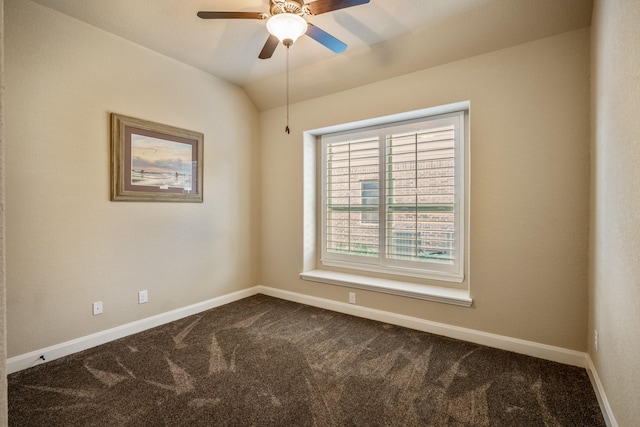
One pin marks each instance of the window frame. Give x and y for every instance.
(381, 264)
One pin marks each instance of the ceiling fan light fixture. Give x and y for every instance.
(287, 27)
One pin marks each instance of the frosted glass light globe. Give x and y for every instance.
(287, 27)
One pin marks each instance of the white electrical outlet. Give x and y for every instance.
(143, 297)
(595, 340)
(352, 297)
(97, 308)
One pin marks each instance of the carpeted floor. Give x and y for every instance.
(263, 361)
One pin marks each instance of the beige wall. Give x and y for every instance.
(615, 220)
(3, 329)
(67, 244)
(529, 186)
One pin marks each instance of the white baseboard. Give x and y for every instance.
(607, 412)
(24, 361)
(543, 351)
(530, 348)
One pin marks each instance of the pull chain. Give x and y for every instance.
(286, 129)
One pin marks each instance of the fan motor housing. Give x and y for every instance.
(287, 6)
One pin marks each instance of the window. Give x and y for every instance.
(392, 198)
(369, 191)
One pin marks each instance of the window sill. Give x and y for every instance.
(458, 297)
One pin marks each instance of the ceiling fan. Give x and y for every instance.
(286, 22)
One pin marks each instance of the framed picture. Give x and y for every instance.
(152, 162)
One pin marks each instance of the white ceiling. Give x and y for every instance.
(385, 38)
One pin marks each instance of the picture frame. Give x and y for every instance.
(153, 162)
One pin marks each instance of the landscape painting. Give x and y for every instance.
(155, 162)
(160, 163)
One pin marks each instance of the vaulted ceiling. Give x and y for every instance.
(385, 38)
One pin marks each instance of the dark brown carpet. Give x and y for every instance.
(263, 361)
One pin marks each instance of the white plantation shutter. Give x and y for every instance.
(420, 183)
(392, 198)
(352, 203)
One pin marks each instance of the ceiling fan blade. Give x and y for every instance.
(231, 15)
(322, 6)
(269, 47)
(325, 39)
